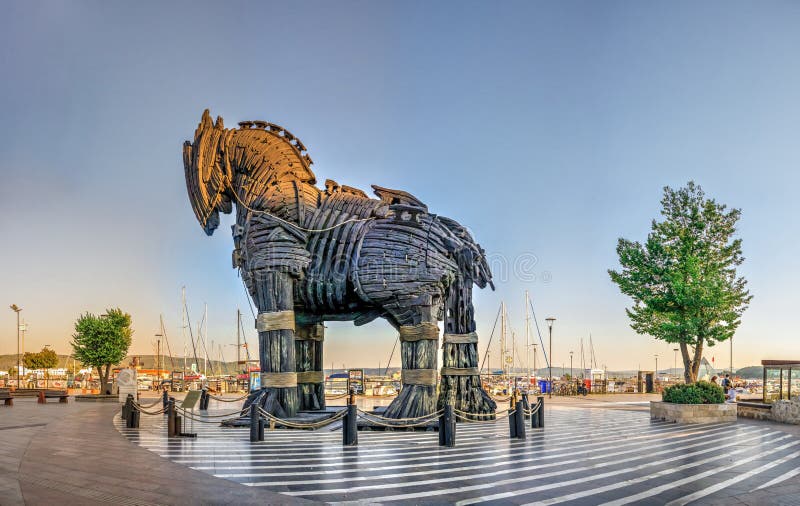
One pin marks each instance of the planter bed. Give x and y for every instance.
(692, 413)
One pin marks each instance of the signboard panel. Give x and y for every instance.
(126, 382)
(190, 401)
(255, 381)
(355, 380)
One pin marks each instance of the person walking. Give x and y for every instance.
(726, 383)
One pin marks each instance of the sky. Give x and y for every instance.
(547, 128)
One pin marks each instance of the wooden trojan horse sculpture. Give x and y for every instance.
(308, 256)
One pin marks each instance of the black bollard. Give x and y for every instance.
(135, 415)
(350, 422)
(447, 427)
(164, 399)
(541, 412)
(171, 418)
(535, 416)
(261, 424)
(254, 418)
(519, 420)
(178, 425)
(126, 408)
(512, 418)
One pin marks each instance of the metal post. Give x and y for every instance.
(535, 417)
(519, 419)
(447, 427)
(512, 418)
(17, 310)
(254, 418)
(349, 424)
(171, 432)
(164, 399)
(541, 412)
(261, 423)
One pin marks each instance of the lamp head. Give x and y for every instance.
(15, 308)
(550, 321)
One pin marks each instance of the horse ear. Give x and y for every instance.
(206, 182)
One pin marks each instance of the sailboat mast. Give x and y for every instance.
(503, 365)
(183, 327)
(238, 338)
(527, 344)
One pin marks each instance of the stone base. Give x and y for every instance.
(787, 411)
(754, 410)
(692, 413)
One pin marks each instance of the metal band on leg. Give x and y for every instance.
(310, 377)
(310, 332)
(278, 379)
(425, 377)
(278, 320)
(460, 371)
(410, 333)
(469, 338)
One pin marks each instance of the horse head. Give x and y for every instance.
(208, 173)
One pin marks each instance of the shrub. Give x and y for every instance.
(701, 392)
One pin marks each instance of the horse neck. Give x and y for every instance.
(255, 178)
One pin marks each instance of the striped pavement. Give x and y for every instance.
(582, 456)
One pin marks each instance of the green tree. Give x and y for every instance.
(45, 359)
(102, 341)
(683, 279)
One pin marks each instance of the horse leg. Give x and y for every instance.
(273, 293)
(461, 381)
(310, 375)
(418, 347)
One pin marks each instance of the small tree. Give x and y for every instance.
(102, 341)
(683, 280)
(46, 359)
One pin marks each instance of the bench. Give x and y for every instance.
(42, 394)
(6, 396)
(61, 395)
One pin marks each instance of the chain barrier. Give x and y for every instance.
(533, 410)
(220, 399)
(416, 418)
(463, 415)
(222, 415)
(295, 425)
(148, 405)
(139, 408)
(398, 422)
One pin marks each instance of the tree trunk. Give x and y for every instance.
(104, 387)
(691, 364)
(687, 363)
(698, 356)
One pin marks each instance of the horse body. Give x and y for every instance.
(309, 255)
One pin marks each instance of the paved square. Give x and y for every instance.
(584, 455)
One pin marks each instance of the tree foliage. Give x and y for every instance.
(45, 359)
(102, 341)
(683, 279)
(701, 392)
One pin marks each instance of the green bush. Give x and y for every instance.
(701, 392)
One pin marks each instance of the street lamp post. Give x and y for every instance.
(550, 321)
(675, 361)
(570, 366)
(656, 376)
(17, 310)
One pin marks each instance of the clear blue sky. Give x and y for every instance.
(547, 128)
